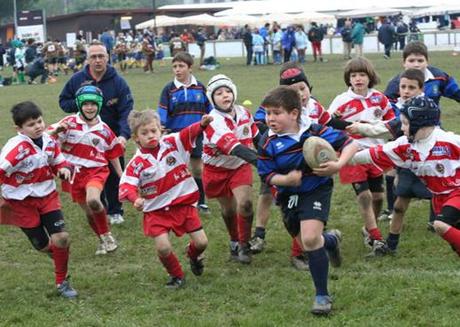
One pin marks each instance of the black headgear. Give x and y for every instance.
(294, 75)
(421, 111)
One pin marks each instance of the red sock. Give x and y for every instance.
(172, 265)
(60, 258)
(92, 224)
(232, 227)
(452, 235)
(101, 222)
(193, 252)
(375, 234)
(296, 249)
(244, 228)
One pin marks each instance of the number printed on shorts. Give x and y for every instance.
(293, 201)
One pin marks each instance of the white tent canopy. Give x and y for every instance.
(161, 21)
(437, 11)
(371, 12)
(203, 20)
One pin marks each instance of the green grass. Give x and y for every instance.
(418, 287)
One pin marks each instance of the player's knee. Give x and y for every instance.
(95, 205)
(245, 208)
(201, 243)
(61, 240)
(399, 208)
(310, 241)
(164, 250)
(365, 199)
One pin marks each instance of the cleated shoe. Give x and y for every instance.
(175, 282)
(109, 242)
(101, 250)
(385, 215)
(368, 242)
(300, 262)
(257, 244)
(66, 291)
(196, 265)
(379, 249)
(322, 305)
(244, 254)
(335, 258)
(234, 246)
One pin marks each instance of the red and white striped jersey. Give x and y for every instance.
(435, 160)
(160, 175)
(316, 112)
(28, 170)
(224, 133)
(353, 107)
(87, 146)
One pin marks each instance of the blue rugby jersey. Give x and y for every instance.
(182, 106)
(280, 154)
(441, 84)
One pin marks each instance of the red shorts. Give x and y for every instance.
(360, 173)
(86, 177)
(451, 199)
(26, 213)
(179, 219)
(219, 183)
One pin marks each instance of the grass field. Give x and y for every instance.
(420, 286)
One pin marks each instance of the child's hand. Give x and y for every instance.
(294, 178)
(327, 169)
(139, 204)
(206, 120)
(65, 173)
(62, 127)
(353, 128)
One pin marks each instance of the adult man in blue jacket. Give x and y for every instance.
(118, 103)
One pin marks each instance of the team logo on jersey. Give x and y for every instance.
(347, 111)
(409, 154)
(149, 190)
(95, 141)
(170, 161)
(440, 150)
(245, 131)
(375, 99)
(279, 145)
(317, 206)
(198, 97)
(435, 89)
(137, 168)
(112, 102)
(378, 113)
(439, 168)
(22, 153)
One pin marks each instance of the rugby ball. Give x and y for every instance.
(317, 151)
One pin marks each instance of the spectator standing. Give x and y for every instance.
(357, 36)
(31, 51)
(108, 41)
(264, 32)
(247, 40)
(2, 53)
(148, 51)
(258, 47)
(347, 40)
(201, 38)
(301, 40)
(386, 36)
(316, 36)
(117, 104)
(276, 44)
(401, 30)
(288, 42)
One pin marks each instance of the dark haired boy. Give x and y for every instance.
(28, 163)
(304, 194)
(437, 82)
(183, 102)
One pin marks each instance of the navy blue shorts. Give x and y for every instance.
(198, 149)
(305, 206)
(410, 186)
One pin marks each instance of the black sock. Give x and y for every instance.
(319, 269)
(390, 192)
(260, 232)
(392, 241)
(201, 190)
